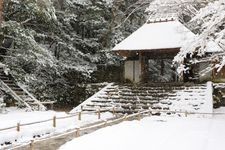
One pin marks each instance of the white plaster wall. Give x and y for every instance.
(132, 71)
(128, 70)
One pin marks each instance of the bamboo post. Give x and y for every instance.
(99, 114)
(107, 94)
(31, 144)
(139, 116)
(113, 110)
(18, 127)
(51, 105)
(79, 115)
(186, 113)
(105, 123)
(77, 133)
(54, 121)
(149, 113)
(125, 117)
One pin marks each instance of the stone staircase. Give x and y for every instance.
(127, 98)
(20, 94)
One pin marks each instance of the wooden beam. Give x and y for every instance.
(154, 53)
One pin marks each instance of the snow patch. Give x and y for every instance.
(157, 133)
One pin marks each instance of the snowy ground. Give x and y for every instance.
(157, 133)
(27, 133)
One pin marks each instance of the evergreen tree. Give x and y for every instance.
(53, 46)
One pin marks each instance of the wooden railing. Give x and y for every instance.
(101, 123)
(40, 105)
(98, 113)
(14, 95)
(53, 119)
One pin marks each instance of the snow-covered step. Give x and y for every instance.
(171, 97)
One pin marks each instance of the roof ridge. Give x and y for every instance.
(162, 18)
(152, 36)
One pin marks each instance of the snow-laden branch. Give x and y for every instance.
(210, 24)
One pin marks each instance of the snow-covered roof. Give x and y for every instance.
(156, 35)
(212, 47)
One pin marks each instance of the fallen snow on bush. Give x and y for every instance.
(156, 133)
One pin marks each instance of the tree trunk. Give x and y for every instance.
(1, 11)
(61, 6)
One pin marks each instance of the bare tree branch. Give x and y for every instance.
(25, 21)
